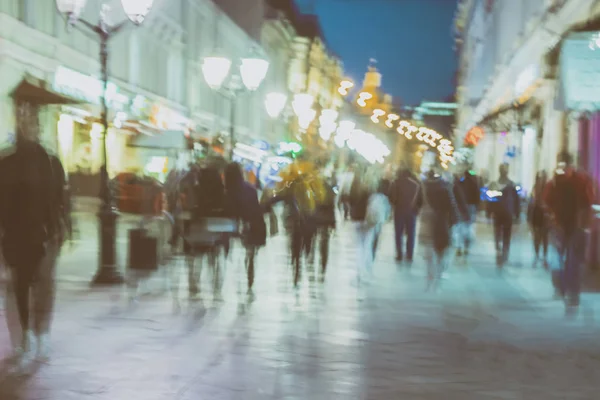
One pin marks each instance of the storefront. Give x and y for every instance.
(80, 131)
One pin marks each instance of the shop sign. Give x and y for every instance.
(87, 88)
(166, 118)
(579, 74)
(474, 135)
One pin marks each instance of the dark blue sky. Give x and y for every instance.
(410, 39)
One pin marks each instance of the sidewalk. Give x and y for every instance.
(480, 338)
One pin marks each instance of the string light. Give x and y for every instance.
(363, 97)
(344, 86)
(377, 113)
(390, 120)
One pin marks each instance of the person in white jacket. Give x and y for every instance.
(378, 212)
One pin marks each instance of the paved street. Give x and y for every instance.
(483, 336)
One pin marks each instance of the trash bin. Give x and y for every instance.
(143, 251)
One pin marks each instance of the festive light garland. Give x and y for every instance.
(426, 135)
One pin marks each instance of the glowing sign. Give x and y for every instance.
(474, 135)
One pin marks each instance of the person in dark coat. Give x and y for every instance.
(505, 210)
(403, 194)
(538, 219)
(243, 204)
(438, 213)
(34, 222)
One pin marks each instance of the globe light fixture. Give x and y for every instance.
(136, 10)
(274, 103)
(327, 123)
(71, 8)
(215, 70)
(302, 103)
(253, 71)
(306, 118)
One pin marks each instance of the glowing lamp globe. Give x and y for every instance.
(274, 103)
(253, 71)
(215, 70)
(302, 103)
(136, 10)
(70, 7)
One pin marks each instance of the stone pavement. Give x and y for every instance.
(482, 336)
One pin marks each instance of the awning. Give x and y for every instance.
(36, 91)
(503, 118)
(163, 140)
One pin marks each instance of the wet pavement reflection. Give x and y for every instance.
(482, 336)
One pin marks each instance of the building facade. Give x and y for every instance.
(156, 84)
(507, 87)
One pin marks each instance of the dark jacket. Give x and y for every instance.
(33, 204)
(243, 204)
(404, 192)
(440, 212)
(461, 200)
(359, 200)
(509, 202)
(469, 185)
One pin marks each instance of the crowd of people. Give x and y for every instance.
(438, 210)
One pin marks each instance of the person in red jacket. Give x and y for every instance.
(569, 197)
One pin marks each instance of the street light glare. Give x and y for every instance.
(70, 7)
(253, 71)
(215, 70)
(136, 10)
(302, 102)
(274, 103)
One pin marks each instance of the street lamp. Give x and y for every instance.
(275, 103)
(252, 72)
(136, 11)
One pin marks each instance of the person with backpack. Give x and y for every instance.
(34, 222)
(569, 197)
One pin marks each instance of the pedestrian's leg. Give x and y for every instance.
(376, 240)
(369, 238)
(296, 250)
(573, 267)
(545, 233)
(411, 225)
(399, 233)
(22, 281)
(429, 255)
(250, 256)
(537, 239)
(324, 247)
(506, 238)
(498, 239)
(44, 290)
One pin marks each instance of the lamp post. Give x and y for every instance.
(136, 11)
(252, 72)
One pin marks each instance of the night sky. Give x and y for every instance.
(410, 39)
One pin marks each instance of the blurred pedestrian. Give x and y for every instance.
(242, 203)
(34, 220)
(438, 213)
(378, 212)
(538, 220)
(403, 194)
(359, 201)
(505, 210)
(569, 197)
(469, 184)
